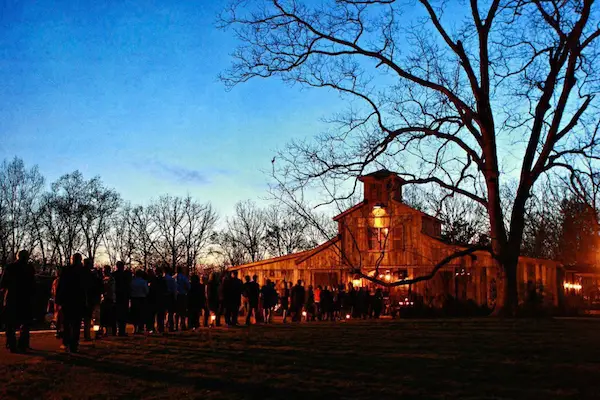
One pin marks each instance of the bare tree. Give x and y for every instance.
(197, 228)
(62, 219)
(168, 214)
(119, 240)
(285, 232)
(442, 104)
(97, 207)
(243, 239)
(20, 194)
(144, 234)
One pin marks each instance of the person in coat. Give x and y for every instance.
(18, 284)
(72, 296)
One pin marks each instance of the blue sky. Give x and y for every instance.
(129, 91)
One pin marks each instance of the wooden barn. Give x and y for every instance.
(384, 236)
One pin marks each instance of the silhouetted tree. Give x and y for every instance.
(20, 195)
(441, 105)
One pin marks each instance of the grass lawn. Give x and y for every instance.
(459, 359)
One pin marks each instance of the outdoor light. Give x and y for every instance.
(213, 318)
(304, 313)
(96, 328)
(574, 286)
(356, 282)
(388, 277)
(347, 316)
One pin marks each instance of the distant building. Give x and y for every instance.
(384, 236)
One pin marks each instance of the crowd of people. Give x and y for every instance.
(161, 301)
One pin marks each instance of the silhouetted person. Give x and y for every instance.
(235, 298)
(195, 302)
(108, 316)
(58, 317)
(213, 295)
(252, 293)
(160, 294)
(170, 298)
(224, 299)
(72, 297)
(18, 283)
(139, 293)
(183, 287)
(377, 303)
(122, 290)
(94, 291)
(205, 307)
(268, 298)
(351, 302)
(326, 304)
(150, 315)
(310, 304)
(298, 299)
(285, 299)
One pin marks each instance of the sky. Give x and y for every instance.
(129, 91)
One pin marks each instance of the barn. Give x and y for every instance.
(387, 239)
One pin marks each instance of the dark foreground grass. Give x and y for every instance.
(458, 359)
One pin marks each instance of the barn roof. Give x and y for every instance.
(298, 257)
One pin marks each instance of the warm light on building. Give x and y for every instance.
(380, 218)
(573, 286)
(356, 282)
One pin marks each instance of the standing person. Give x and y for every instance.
(94, 290)
(224, 299)
(377, 303)
(351, 301)
(252, 293)
(298, 298)
(123, 291)
(213, 295)
(237, 288)
(326, 304)
(72, 297)
(341, 307)
(195, 302)
(183, 288)
(139, 293)
(310, 304)
(285, 299)
(18, 283)
(318, 302)
(108, 318)
(159, 292)
(58, 319)
(150, 315)
(170, 298)
(205, 306)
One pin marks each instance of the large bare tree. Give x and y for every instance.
(453, 95)
(20, 194)
(197, 228)
(97, 207)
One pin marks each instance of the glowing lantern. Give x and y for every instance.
(96, 328)
(347, 316)
(304, 314)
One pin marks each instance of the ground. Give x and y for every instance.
(451, 359)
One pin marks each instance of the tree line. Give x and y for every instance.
(75, 214)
